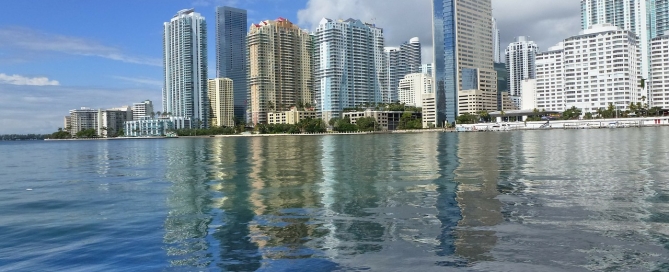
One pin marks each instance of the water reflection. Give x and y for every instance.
(405, 202)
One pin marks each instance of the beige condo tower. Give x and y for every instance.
(279, 68)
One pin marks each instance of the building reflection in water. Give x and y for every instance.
(189, 200)
(477, 177)
(230, 165)
(285, 198)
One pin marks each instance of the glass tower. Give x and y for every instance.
(231, 29)
(445, 62)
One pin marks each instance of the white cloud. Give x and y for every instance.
(545, 21)
(26, 39)
(141, 80)
(30, 81)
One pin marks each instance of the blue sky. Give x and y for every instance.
(58, 55)
(65, 54)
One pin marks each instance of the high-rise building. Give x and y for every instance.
(648, 19)
(185, 67)
(221, 102)
(462, 36)
(279, 68)
(349, 65)
(413, 86)
(520, 65)
(496, 44)
(231, 30)
(598, 67)
(399, 62)
(426, 68)
(550, 78)
(142, 109)
(659, 89)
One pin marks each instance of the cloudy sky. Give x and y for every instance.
(60, 55)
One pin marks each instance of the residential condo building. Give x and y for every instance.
(185, 67)
(349, 65)
(279, 68)
(231, 30)
(412, 88)
(659, 71)
(520, 65)
(221, 102)
(399, 62)
(598, 67)
(142, 109)
(462, 35)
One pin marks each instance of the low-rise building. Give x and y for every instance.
(387, 120)
(429, 110)
(474, 101)
(291, 117)
(147, 126)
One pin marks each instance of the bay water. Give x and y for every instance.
(560, 200)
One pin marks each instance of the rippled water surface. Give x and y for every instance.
(577, 200)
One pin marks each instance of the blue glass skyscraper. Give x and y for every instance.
(445, 61)
(231, 29)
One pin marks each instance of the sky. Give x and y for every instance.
(61, 55)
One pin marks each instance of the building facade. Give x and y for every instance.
(142, 109)
(231, 29)
(82, 119)
(185, 67)
(413, 86)
(349, 65)
(462, 35)
(647, 19)
(111, 121)
(598, 67)
(659, 71)
(221, 102)
(429, 110)
(291, 117)
(280, 68)
(474, 101)
(399, 62)
(520, 65)
(550, 79)
(496, 44)
(387, 120)
(162, 126)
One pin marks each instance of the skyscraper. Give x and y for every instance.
(185, 67)
(231, 29)
(349, 61)
(279, 68)
(496, 45)
(646, 18)
(462, 36)
(520, 64)
(400, 62)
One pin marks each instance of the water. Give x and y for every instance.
(573, 200)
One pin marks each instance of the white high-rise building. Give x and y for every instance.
(349, 65)
(185, 67)
(496, 44)
(598, 67)
(426, 68)
(142, 109)
(550, 79)
(399, 62)
(520, 65)
(648, 19)
(659, 72)
(412, 88)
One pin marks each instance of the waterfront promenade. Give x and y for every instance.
(566, 124)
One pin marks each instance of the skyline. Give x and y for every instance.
(51, 62)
